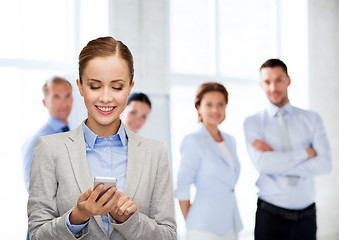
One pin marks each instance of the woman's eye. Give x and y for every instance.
(93, 87)
(117, 88)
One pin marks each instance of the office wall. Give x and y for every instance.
(323, 98)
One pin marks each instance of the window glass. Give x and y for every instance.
(247, 36)
(94, 20)
(37, 30)
(190, 36)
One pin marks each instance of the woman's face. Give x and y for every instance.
(105, 87)
(135, 115)
(212, 108)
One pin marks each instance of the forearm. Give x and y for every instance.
(277, 162)
(312, 167)
(141, 226)
(51, 228)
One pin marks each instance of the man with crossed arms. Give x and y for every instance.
(288, 146)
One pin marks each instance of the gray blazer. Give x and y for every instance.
(59, 175)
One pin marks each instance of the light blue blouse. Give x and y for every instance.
(106, 157)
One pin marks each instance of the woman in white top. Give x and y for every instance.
(209, 161)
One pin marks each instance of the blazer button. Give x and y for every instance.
(232, 190)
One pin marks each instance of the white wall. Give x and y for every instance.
(323, 98)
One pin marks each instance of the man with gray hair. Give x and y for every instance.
(58, 100)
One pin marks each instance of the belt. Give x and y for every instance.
(293, 215)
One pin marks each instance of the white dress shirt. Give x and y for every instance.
(305, 129)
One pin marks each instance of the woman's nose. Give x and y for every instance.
(106, 96)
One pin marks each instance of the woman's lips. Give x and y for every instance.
(105, 109)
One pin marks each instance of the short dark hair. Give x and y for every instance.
(274, 62)
(55, 79)
(139, 96)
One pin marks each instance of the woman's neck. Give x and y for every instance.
(214, 131)
(103, 130)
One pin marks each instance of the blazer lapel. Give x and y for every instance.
(135, 162)
(212, 144)
(77, 154)
(233, 152)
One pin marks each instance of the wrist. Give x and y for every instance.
(77, 217)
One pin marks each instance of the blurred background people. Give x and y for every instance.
(209, 161)
(58, 100)
(288, 146)
(136, 112)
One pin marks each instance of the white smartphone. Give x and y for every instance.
(108, 183)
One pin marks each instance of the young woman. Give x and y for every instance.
(62, 202)
(209, 161)
(136, 112)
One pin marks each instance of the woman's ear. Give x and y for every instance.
(79, 84)
(130, 88)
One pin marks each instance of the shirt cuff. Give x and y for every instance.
(75, 229)
(300, 155)
(182, 194)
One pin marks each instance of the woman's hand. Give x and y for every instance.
(87, 206)
(122, 208)
(185, 207)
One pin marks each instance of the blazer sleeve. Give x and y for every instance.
(44, 220)
(160, 223)
(189, 165)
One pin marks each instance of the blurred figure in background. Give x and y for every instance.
(136, 112)
(209, 161)
(288, 146)
(58, 100)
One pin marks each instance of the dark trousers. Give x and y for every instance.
(275, 223)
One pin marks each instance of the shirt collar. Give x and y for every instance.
(273, 110)
(55, 124)
(91, 137)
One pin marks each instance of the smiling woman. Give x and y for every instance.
(141, 205)
(105, 86)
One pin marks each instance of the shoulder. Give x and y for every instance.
(54, 141)
(146, 144)
(306, 115)
(151, 143)
(194, 137)
(255, 118)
